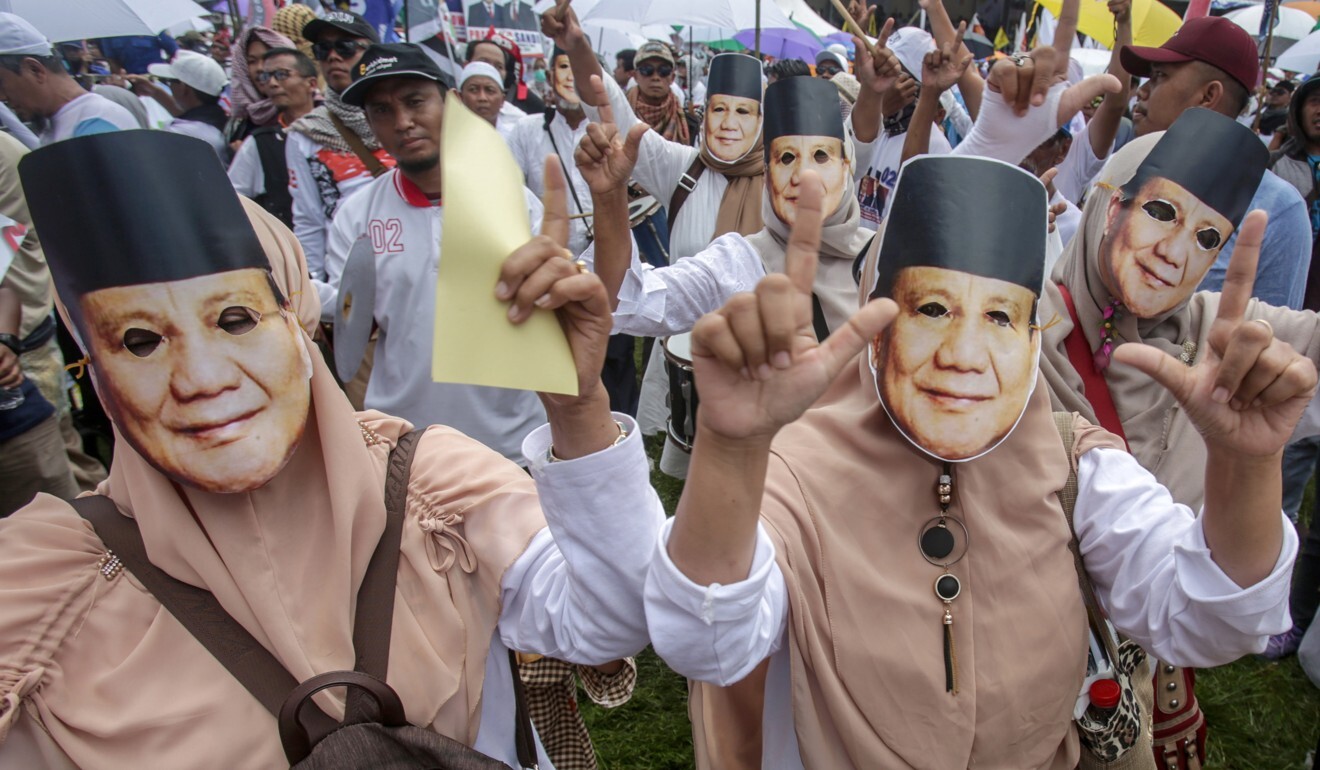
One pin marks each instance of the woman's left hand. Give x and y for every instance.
(1248, 390)
(543, 274)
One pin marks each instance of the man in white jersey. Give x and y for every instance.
(402, 214)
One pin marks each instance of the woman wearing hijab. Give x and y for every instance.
(911, 586)
(249, 475)
(1151, 228)
(250, 109)
(802, 129)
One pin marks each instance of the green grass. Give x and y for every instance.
(1261, 715)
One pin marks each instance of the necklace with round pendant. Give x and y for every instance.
(943, 545)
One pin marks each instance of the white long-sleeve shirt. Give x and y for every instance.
(405, 232)
(575, 593)
(530, 141)
(1145, 555)
(661, 164)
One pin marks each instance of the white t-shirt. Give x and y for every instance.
(882, 172)
(86, 115)
(406, 230)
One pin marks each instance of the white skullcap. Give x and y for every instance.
(479, 69)
(910, 45)
(19, 38)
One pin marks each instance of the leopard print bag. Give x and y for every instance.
(1122, 740)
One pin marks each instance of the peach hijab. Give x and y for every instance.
(115, 681)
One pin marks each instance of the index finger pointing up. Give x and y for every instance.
(804, 241)
(1240, 278)
(554, 222)
(602, 99)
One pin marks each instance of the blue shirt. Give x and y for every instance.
(1285, 255)
(137, 53)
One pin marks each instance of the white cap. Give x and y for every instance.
(840, 55)
(19, 38)
(910, 45)
(480, 69)
(201, 73)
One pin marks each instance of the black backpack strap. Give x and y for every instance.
(198, 611)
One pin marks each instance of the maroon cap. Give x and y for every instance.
(1211, 39)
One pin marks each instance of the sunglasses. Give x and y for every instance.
(828, 69)
(345, 48)
(276, 75)
(647, 70)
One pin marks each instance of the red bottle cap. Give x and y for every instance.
(1105, 693)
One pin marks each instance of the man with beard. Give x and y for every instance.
(1213, 63)
(35, 85)
(331, 151)
(402, 92)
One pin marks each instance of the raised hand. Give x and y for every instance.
(862, 13)
(877, 67)
(1247, 391)
(757, 362)
(560, 24)
(543, 274)
(945, 65)
(604, 157)
(1122, 10)
(1025, 80)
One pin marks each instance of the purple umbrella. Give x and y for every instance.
(783, 43)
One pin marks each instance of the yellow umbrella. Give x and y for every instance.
(1153, 23)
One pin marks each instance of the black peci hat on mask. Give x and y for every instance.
(969, 214)
(135, 207)
(1211, 156)
(802, 106)
(735, 74)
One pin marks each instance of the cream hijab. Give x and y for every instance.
(846, 497)
(114, 678)
(842, 238)
(1158, 433)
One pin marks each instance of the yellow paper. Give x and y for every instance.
(485, 221)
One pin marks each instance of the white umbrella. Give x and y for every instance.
(609, 35)
(199, 24)
(1302, 57)
(62, 20)
(800, 12)
(726, 14)
(1292, 23)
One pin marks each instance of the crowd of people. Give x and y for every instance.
(992, 387)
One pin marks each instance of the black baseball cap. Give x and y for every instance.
(391, 60)
(341, 20)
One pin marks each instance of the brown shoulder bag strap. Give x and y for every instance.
(359, 148)
(686, 184)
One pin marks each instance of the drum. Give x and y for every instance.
(641, 205)
(682, 400)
